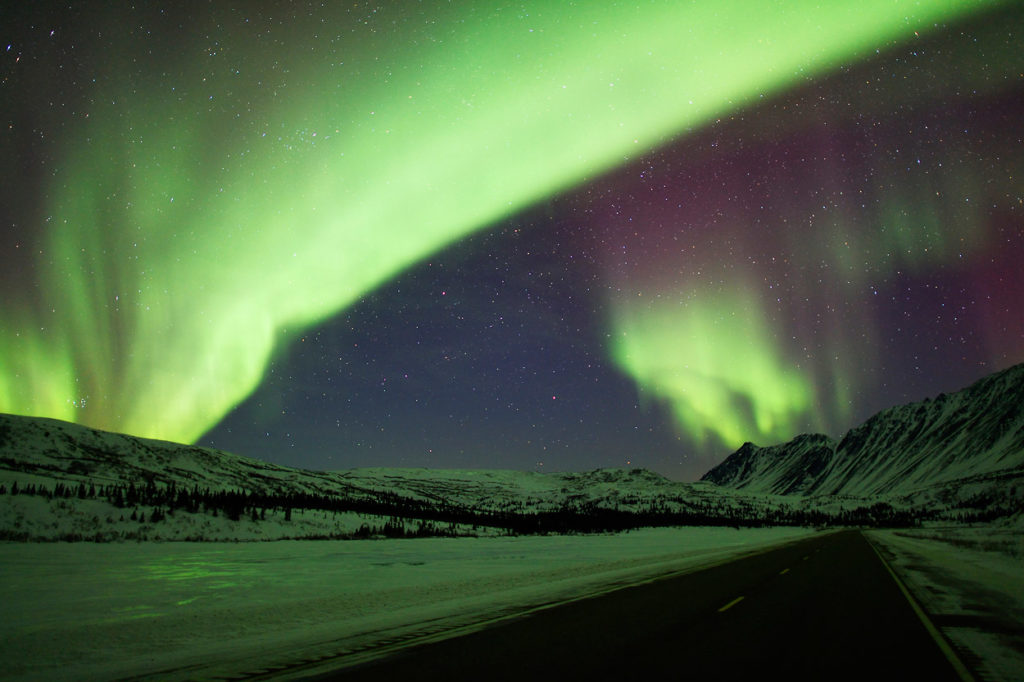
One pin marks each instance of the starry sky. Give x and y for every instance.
(517, 236)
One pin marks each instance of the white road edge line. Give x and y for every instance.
(944, 646)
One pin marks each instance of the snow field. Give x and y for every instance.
(39, 519)
(84, 611)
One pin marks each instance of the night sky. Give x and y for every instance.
(506, 236)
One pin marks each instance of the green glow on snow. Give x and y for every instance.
(200, 219)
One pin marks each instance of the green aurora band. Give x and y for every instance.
(784, 343)
(694, 352)
(205, 215)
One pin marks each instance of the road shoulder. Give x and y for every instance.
(974, 597)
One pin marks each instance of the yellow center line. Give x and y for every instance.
(731, 604)
(784, 571)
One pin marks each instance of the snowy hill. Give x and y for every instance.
(968, 442)
(46, 451)
(49, 449)
(65, 481)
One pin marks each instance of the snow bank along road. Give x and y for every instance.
(824, 608)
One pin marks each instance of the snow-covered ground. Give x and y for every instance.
(198, 610)
(971, 582)
(40, 519)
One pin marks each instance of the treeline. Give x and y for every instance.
(417, 518)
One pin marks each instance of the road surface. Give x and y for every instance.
(822, 609)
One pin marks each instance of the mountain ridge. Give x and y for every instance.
(973, 432)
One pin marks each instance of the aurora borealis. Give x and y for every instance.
(400, 235)
(879, 201)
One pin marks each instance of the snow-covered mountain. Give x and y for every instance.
(971, 440)
(66, 481)
(45, 451)
(784, 469)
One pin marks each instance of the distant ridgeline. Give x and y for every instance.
(61, 481)
(956, 458)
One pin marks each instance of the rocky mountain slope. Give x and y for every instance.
(968, 442)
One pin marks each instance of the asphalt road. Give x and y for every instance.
(822, 609)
